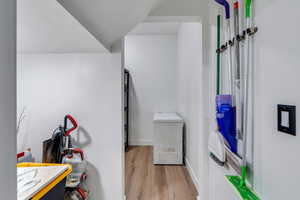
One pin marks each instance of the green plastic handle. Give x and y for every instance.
(248, 8)
(243, 176)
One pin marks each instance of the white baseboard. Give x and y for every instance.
(141, 142)
(192, 174)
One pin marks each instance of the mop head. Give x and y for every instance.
(244, 192)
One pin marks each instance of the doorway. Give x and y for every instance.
(157, 55)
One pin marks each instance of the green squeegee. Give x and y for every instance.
(239, 182)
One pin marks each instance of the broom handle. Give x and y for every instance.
(246, 83)
(219, 87)
(229, 60)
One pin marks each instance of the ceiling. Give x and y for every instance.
(44, 26)
(156, 28)
(109, 20)
(66, 26)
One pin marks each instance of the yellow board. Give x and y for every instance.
(46, 189)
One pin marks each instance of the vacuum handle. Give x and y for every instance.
(74, 125)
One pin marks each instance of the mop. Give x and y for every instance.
(226, 109)
(239, 182)
(216, 141)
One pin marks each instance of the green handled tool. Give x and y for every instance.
(219, 89)
(239, 182)
(248, 8)
(226, 6)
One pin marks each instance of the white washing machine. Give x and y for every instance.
(168, 139)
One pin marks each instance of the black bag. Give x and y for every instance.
(53, 148)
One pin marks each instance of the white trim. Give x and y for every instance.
(125, 197)
(140, 142)
(192, 174)
(198, 197)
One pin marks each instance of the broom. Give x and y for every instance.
(239, 182)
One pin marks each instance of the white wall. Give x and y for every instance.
(46, 27)
(8, 99)
(277, 69)
(192, 100)
(276, 52)
(151, 61)
(177, 8)
(87, 86)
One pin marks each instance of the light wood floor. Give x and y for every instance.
(145, 181)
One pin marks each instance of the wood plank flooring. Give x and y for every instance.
(145, 181)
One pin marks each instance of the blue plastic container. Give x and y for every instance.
(223, 99)
(226, 118)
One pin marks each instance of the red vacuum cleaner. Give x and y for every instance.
(59, 149)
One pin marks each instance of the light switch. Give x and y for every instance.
(286, 119)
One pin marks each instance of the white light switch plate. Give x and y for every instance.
(285, 121)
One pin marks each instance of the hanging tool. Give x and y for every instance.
(239, 182)
(238, 95)
(216, 141)
(237, 46)
(229, 44)
(219, 86)
(226, 110)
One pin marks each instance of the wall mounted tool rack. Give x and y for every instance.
(239, 38)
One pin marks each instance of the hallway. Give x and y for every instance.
(145, 181)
